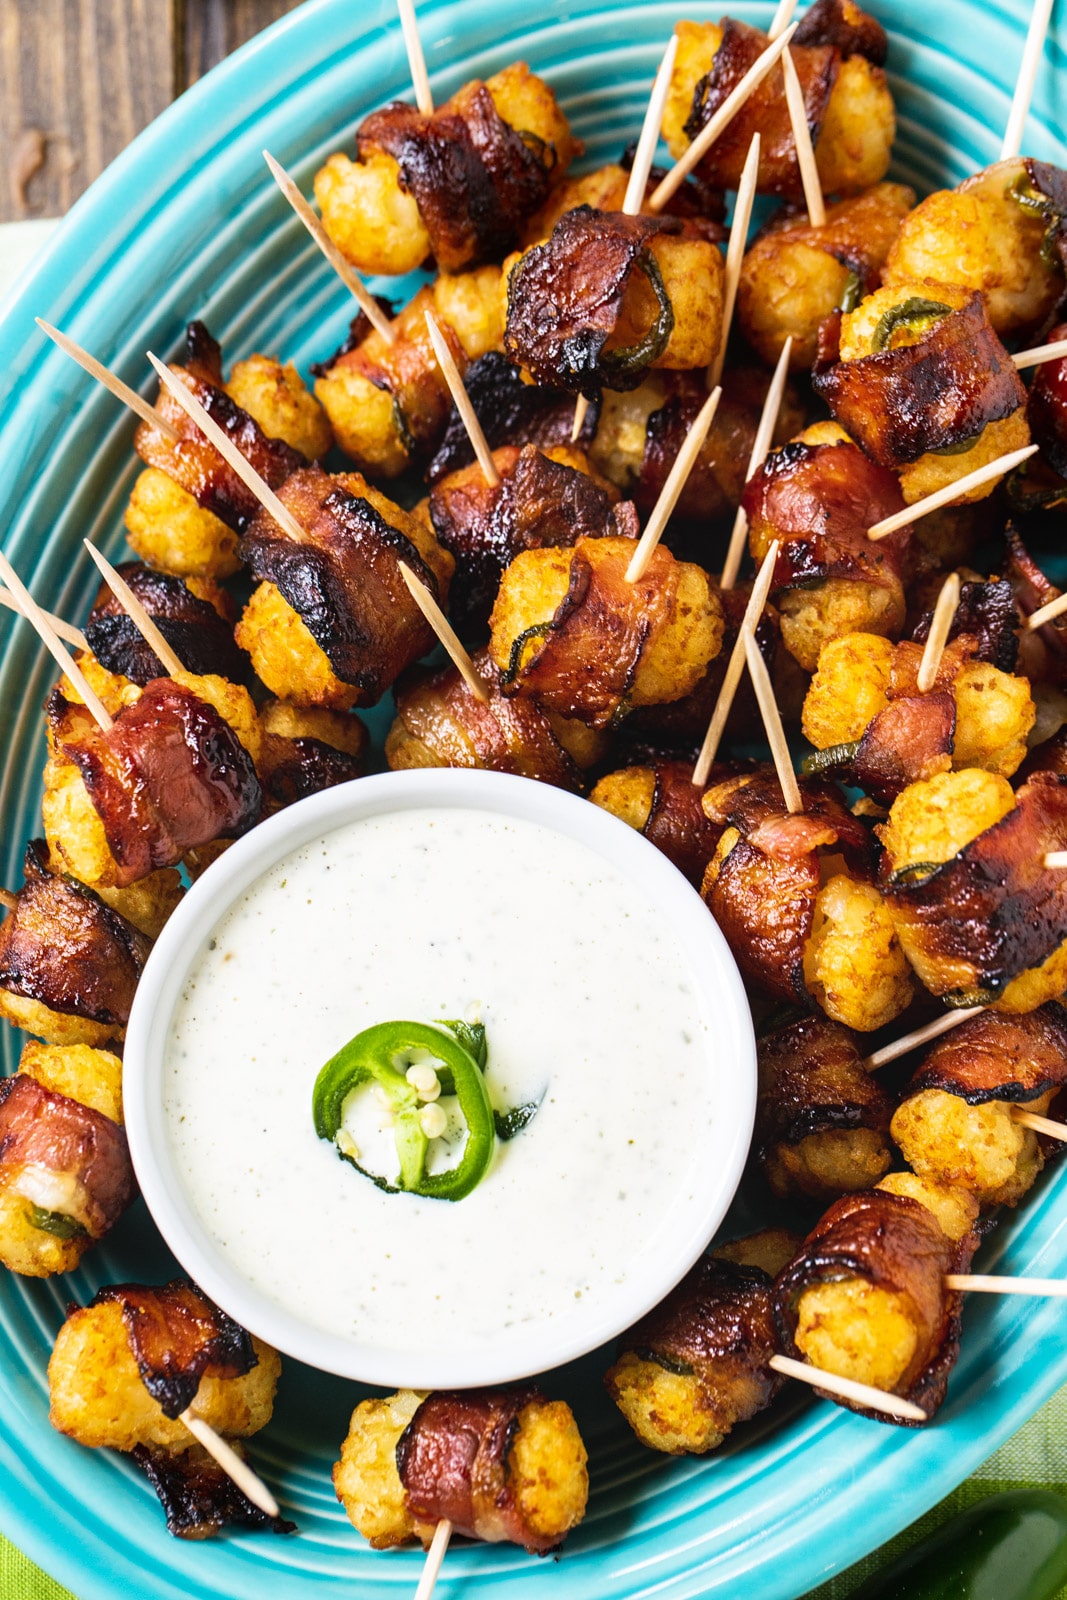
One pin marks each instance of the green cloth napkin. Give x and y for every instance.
(1035, 1458)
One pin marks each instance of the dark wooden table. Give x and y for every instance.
(79, 78)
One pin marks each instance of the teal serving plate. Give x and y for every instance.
(188, 224)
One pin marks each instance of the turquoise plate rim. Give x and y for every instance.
(808, 1498)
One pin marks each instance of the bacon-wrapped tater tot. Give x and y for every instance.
(864, 711)
(919, 378)
(838, 51)
(802, 939)
(662, 802)
(955, 1126)
(993, 233)
(693, 1368)
(306, 749)
(389, 403)
(65, 1171)
(822, 1120)
(126, 1366)
(69, 964)
(980, 917)
(795, 275)
(511, 412)
(551, 498)
(439, 723)
(172, 773)
(498, 1463)
(818, 495)
(187, 508)
(332, 622)
(865, 1297)
(609, 296)
(605, 190)
(568, 629)
(956, 1209)
(457, 185)
(194, 615)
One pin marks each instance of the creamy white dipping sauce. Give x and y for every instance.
(589, 1004)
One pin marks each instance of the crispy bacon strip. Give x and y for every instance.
(912, 738)
(819, 500)
(893, 1243)
(988, 615)
(435, 706)
(714, 486)
(997, 1057)
(474, 178)
(765, 110)
(842, 24)
(718, 1326)
(178, 1336)
(812, 1080)
(63, 946)
(757, 809)
(584, 660)
(565, 297)
(538, 502)
(994, 910)
(1046, 408)
(677, 823)
(511, 412)
(62, 1156)
(294, 768)
(932, 395)
(344, 580)
(168, 776)
(453, 1462)
(201, 639)
(198, 1498)
(197, 465)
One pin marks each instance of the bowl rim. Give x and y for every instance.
(518, 1354)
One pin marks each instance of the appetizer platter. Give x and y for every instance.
(898, 659)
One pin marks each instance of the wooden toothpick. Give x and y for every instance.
(725, 114)
(937, 638)
(238, 1471)
(989, 1283)
(228, 451)
(1024, 88)
(863, 1394)
(782, 18)
(772, 404)
(798, 117)
(136, 612)
(1047, 613)
(1040, 354)
(735, 253)
(420, 78)
(50, 639)
(1056, 858)
(951, 492)
(122, 391)
(66, 630)
(8, 900)
(351, 279)
(734, 667)
(434, 1557)
(581, 406)
(445, 632)
(461, 399)
(772, 723)
(1045, 1125)
(918, 1036)
(684, 462)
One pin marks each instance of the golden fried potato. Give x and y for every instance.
(994, 715)
(171, 532)
(547, 1470)
(980, 237)
(978, 1148)
(769, 1249)
(285, 655)
(857, 1330)
(811, 618)
(587, 747)
(365, 420)
(934, 819)
(697, 44)
(526, 102)
(148, 903)
(833, 1162)
(627, 794)
(853, 962)
(793, 276)
(55, 1027)
(850, 687)
(280, 719)
(76, 839)
(275, 396)
(619, 447)
(32, 1252)
(932, 471)
(956, 1209)
(471, 304)
(112, 689)
(373, 221)
(366, 1479)
(232, 702)
(92, 1077)
(98, 1397)
(672, 1411)
(196, 862)
(1036, 985)
(856, 138)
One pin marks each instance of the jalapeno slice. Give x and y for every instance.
(372, 1057)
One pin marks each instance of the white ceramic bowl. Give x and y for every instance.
(519, 1351)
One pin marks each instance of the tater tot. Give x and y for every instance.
(855, 141)
(956, 1209)
(285, 655)
(811, 618)
(28, 1250)
(282, 720)
(673, 1411)
(92, 1077)
(994, 715)
(171, 532)
(373, 221)
(934, 819)
(850, 687)
(627, 794)
(853, 961)
(833, 1162)
(979, 1148)
(857, 1330)
(149, 902)
(276, 398)
(366, 1477)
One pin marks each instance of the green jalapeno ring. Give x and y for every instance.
(371, 1057)
(57, 1223)
(907, 314)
